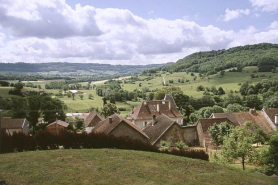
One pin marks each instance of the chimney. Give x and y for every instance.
(154, 120)
(276, 119)
(170, 105)
(158, 108)
(252, 111)
(110, 120)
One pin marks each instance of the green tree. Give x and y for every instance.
(235, 108)
(34, 103)
(52, 109)
(238, 145)
(271, 102)
(81, 96)
(18, 86)
(256, 132)
(91, 96)
(19, 107)
(219, 131)
(109, 109)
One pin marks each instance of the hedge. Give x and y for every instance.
(44, 140)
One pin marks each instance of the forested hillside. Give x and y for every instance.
(212, 62)
(92, 68)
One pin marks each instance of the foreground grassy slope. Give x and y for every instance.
(105, 166)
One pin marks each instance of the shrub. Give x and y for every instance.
(181, 145)
(44, 140)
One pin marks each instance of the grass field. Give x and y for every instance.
(230, 81)
(106, 166)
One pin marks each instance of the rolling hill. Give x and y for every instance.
(211, 62)
(104, 166)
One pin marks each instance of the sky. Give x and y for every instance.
(130, 32)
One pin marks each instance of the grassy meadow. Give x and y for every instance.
(230, 81)
(106, 166)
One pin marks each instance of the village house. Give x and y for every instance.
(119, 126)
(142, 115)
(92, 120)
(271, 116)
(164, 128)
(57, 126)
(261, 118)
(202, 129)
(11, 125)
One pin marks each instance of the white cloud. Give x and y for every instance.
(234, 14)
(265, 5)
(151, 12)
(55, 32)
(274, 25)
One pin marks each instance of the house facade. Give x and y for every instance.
(120, 127)
(164, 128)
(143, 114)
(57, 127)
(11, 125)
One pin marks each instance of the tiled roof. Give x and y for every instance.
(241, 117)
(90, 118)
(10, 123)
(169, 97)
(147, 109)
(59, 122)
(271, 114)
(155, 131)
(106, 127)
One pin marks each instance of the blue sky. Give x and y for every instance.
(203, 12)
(130, 32)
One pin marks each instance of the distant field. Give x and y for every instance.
(230, 81)
(108, 166)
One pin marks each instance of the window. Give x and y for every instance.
(145, 123)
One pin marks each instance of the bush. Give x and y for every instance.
(44, 140)
(181, 145)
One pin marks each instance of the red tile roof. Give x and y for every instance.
(241, 117)
(147, 109)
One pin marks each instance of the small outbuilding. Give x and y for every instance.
(57, 126)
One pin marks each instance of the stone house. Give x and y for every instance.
(92, 120)
(257, 117)
(142, 115)
(271, 116)
(120, 127)
(11, 125)
(57, 126)
(202, 129)
(164, 128)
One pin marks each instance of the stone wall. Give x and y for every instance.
(177, 133)
(125, 130)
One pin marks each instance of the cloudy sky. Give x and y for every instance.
(129, 32)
